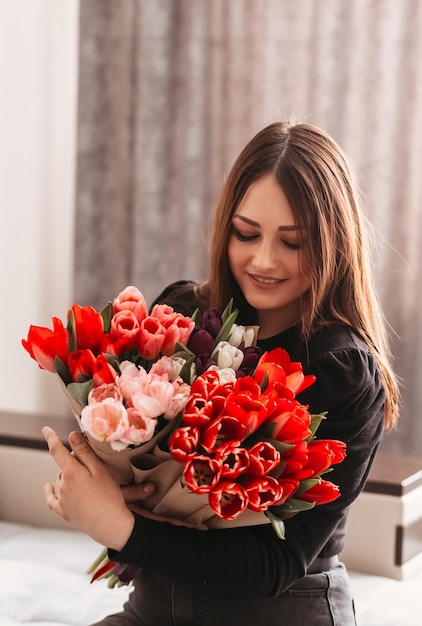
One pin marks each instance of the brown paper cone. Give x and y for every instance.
(149, 462)
(119, 462)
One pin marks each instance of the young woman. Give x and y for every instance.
(290, 246)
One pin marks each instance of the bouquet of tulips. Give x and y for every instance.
(194, 406)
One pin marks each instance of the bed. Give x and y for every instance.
(43, 580)
(43, 562)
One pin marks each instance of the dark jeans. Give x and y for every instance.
(322, 599)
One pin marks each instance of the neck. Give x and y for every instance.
(271, 324)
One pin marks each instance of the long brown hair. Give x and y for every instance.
(319, 185)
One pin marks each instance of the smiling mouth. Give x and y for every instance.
(265, 281)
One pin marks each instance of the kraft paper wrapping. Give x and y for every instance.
(149, 461)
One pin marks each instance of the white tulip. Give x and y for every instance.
(226, 375)
(227, 355)
(240, 333)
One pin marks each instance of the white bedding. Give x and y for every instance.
(43, 582)
(43, 579)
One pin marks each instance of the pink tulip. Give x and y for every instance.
(131, 299)
(106, 421)
(125, 327)
(140, 429)
(100, 393)
(151, 337)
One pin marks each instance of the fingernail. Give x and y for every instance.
(75, 438)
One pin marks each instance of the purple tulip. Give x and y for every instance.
(203, 362)
(125, 573)
(251, 357)
(201, 342)
(212, 322)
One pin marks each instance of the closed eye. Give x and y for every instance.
(291, 245)
(241, 237)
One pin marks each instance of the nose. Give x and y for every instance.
(265, 257)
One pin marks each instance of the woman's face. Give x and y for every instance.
(269, 256)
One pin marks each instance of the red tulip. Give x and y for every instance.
(295, 458)
(184, 442)
(88, 327)
(81, 365)
(322, 454)
(334, 448)
(289, 487)
(234, 461)
(247, 404)
(44, 344)
(290, 421)
(277, 367)
(322, 493)
(202, 474)
(200, 412)
(263, 491)
(221, 431)
(263, 458)
(114, 345)
(102, 371)
(228, 499)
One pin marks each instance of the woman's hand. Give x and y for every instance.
(85, 494)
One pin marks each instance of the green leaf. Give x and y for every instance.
(80, 391)
(264, 383)
(195, 316)
(226, 327)
(73, 344)
(277, 524)
(113, 360)
(62, 370)
(316, 419)
(281, 446)
(293, 505)
(183, 351)
(227, 311)
(107, 314)
(307, 484)
(185, 372)
(130, 355)
(326, 471)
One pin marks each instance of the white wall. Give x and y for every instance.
(38, 83)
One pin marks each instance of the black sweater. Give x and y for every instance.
(253, 560)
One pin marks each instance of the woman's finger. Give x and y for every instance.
(52, 500)
(138, 491)
(84, 453)
(58, 451)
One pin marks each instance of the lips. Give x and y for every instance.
(265, 280)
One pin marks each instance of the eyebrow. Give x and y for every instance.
(252, 223)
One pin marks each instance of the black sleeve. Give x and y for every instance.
(253, 559)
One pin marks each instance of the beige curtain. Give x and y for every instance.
(170, 90)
